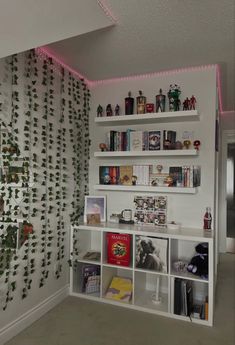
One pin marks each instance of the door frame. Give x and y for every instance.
(228, 136)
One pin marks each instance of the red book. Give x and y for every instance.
(118, 248)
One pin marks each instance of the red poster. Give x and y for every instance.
(118, 248)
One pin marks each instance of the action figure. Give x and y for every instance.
(117, 110)
(186, 104)
(192, 103)
(109, 111)
(160, 102)
(99, 111)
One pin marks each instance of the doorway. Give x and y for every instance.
(230, 197)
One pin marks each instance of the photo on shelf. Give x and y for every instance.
(151, 253)
(95, 205)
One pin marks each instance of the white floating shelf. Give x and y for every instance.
(156, 153)
(152, 189)
(176, 116)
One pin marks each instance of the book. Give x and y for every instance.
(118, 248)
(151, 253)
(183, 297)
(176, 174)
(120, 289)
(154, 140)
(104, 175)
(177, 296)
(126, 172)
(145, 141)
(136, 139)
(90, 285)
(169, 139)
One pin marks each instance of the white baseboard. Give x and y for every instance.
(18, 325)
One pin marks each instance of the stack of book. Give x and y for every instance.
(183, 297)
(132, 140)
(186, 176)
(124, 174)
(144, 175)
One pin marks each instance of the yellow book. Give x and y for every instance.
(120, 289)
(126, 173)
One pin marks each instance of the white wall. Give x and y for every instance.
(227, 134)
(187, 209)
(21, 312)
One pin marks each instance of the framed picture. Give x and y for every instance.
(95, 205)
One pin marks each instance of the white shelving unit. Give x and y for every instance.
(181, 246)
(184, 205)
(160, 153)
(176, 116)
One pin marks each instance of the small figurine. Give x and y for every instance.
(173, 95)
(187, 144)
(169, 181)
(196, 144)
(133, 180)
(186, 104)
(159, 168)
(192, 103)
(99, 111)
(178, 145)
(109, 110)
(103, 147)
(117, 110)
(160, 102)
(141, 103)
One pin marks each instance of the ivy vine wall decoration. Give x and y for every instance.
(44, 131)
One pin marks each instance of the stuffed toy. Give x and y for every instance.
(199, 262)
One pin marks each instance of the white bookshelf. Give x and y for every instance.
(181, 245)
(177, 116)
(157, 153)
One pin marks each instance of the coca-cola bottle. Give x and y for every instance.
(207, 219)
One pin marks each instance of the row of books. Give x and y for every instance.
(183, 301)
(146, 175)
(132, 140)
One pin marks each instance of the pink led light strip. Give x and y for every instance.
(43, 52)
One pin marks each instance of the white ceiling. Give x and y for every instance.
(26, 24)
(156, 35)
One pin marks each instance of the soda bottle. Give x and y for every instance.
(207, 219)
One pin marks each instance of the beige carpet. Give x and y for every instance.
(80, 322)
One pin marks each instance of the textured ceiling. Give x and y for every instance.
(157, 35)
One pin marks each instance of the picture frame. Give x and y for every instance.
(93, 205)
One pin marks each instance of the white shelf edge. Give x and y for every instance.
(105, 264)
(151, 272)
(121, 188)
(188, 277)
(150, 117)
(194, 234)
(160, 153)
